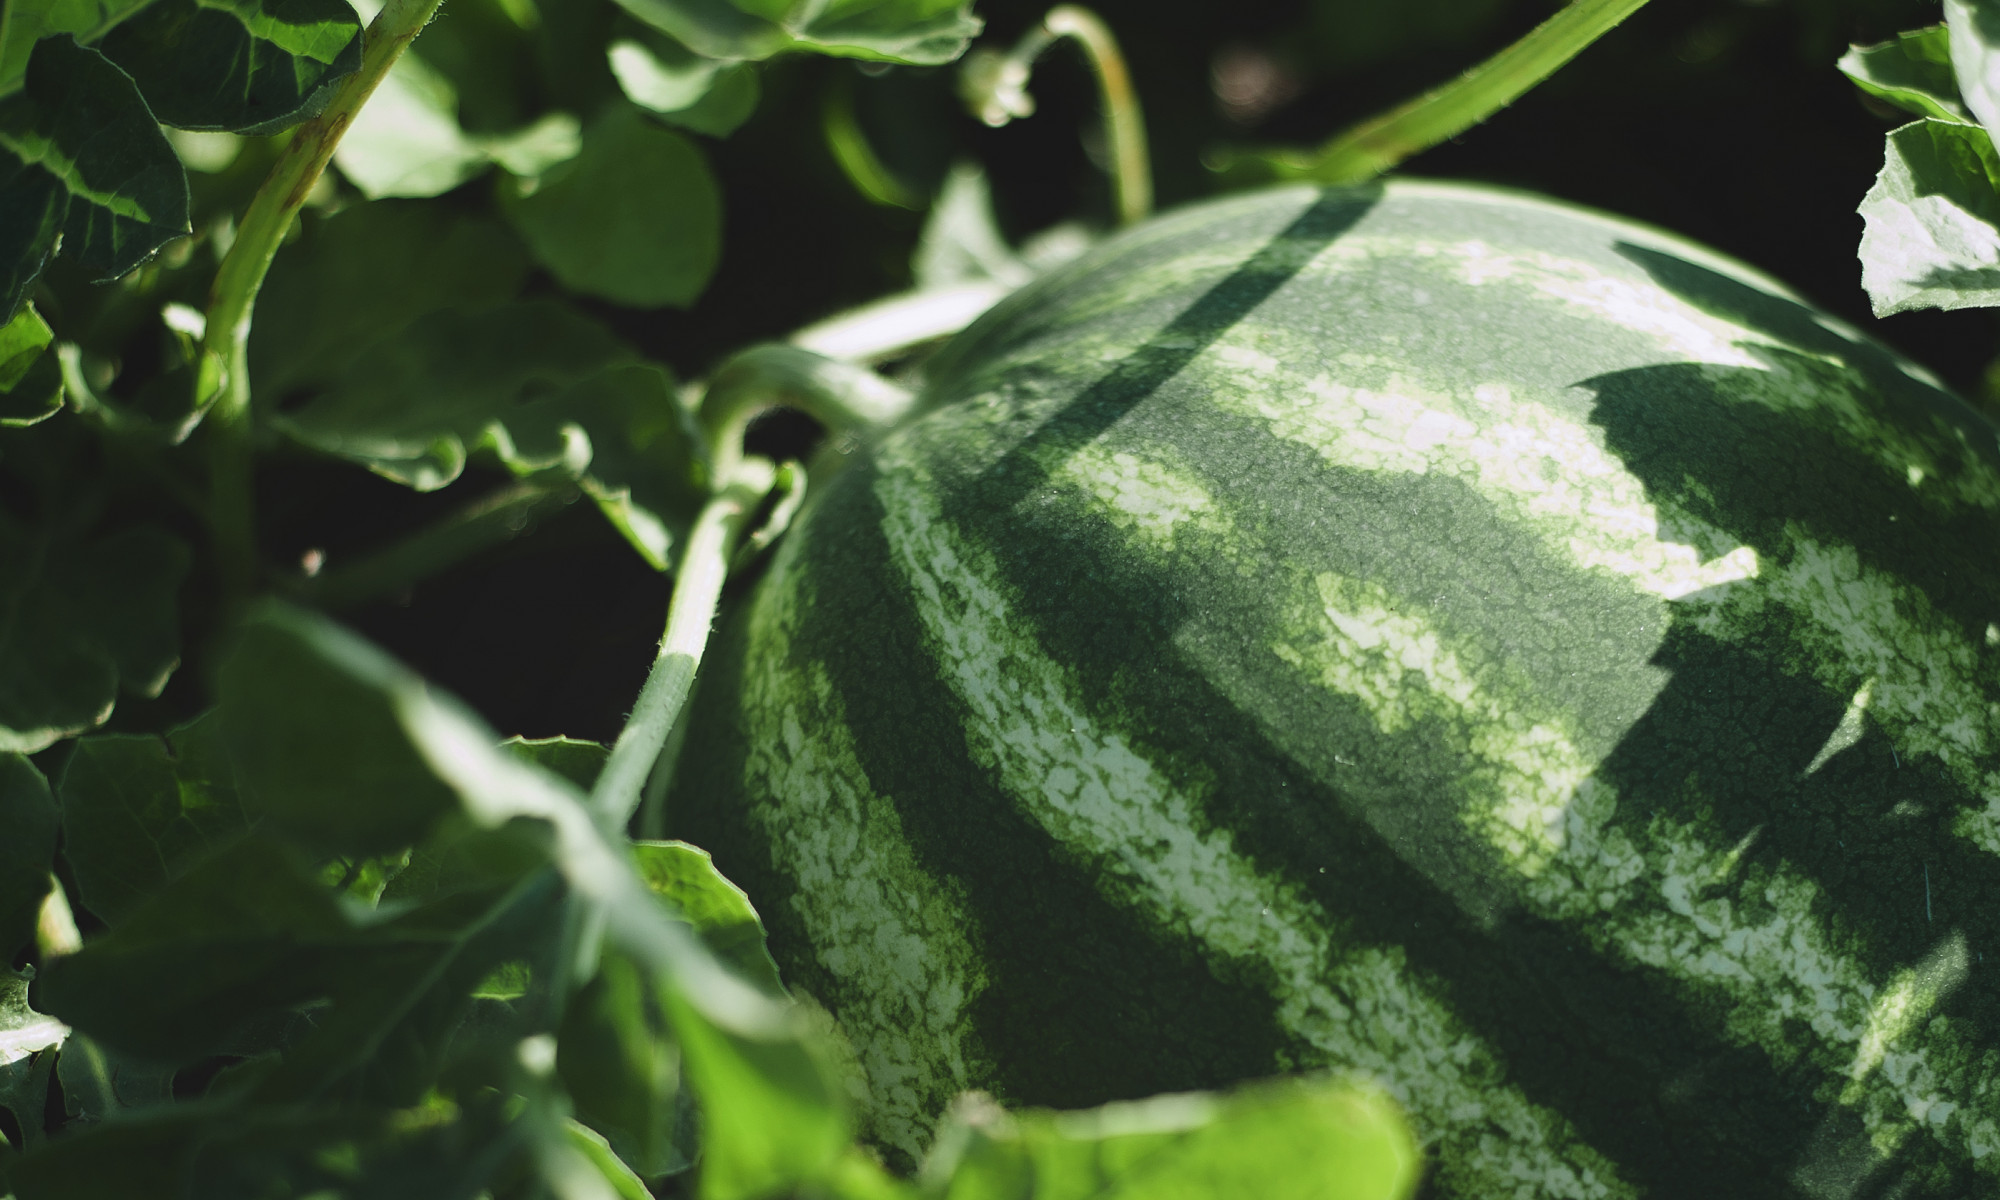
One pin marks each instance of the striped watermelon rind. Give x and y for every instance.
(1429, 631)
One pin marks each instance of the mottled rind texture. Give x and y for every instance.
(1433, 632)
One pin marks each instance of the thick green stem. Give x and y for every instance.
(704, 564)
(224, 367)
(839, 395)
(999, 91)
(1381, 142)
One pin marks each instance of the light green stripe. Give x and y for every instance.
(899, 941)
(1099, 796)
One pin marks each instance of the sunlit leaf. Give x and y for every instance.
(28, 1041)
(1911, 70)
(244, 66)
(924, 32)
(961, 240)
(602, 1158)
(406, 141)
(81, 156)
(79, 621)
(572, 758)
(682, 88)
(622, 1068)
(634, 218)
(1931, 233)
(1974, 27)
(25, 22)
(28, 826)
(685, 877)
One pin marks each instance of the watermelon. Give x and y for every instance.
(1423, 631)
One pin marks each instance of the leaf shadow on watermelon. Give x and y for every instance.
(1738, 737)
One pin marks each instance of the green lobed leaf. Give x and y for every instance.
(634, 218)
(81, 155)
(685, 878)
(1974, 43)
(139, 811)
(918, 32)
(1911, 70)
(79, 620)
(241, 66)
(366, 272)
(683, 88)
(621, 1067)
(1305, 1138)
(1931, 222)
(25, 22)
(28, 825)
(29, 1043)
(31, 387)
(599, 1153)
(99, 1083)
(406, 141)
(23, 340)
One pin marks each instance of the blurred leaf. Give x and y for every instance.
(634, 218)
(138, 811)
(318, 745)
(451, 383)
(23, 1031)
(24, 1089)
(594, 1150)
(622, 1069)
(81, 156)
(924, 32)
(244, 66)
(685, 877)
(367, 272)
(1931, 235)
(30, 376)
(25, 22)
(406, 140)
(98, 1083)
(81, 620)
(27, 850)
(961, 240)
(1307, 1138)
(572, 758)
(683, 88)
(1911, 71)
(1974, 43)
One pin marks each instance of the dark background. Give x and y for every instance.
(1725, 120)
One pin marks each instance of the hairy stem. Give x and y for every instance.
(490, 521)
(1381, 142)
(839, 395)
(224, 366)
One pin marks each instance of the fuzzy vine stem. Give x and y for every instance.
(839, 395)
(223, 373)
(998, 89)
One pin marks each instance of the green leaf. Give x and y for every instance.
(22, 341)
(241, 66)
(923, 32)
(25, 22)
(30, 375)
(682, 88)
(1307, 1138)
(634, 218)
(29, 820)
(139, 811)
(598, 1153)
(685, 877)
(1912, 71)
(1931, 223)
(99, 1083)
(317, 743)
(79, 620)
(622, 1068)
(451, 383)
(406, 140)
(356, 277)
(81, 155)
(961, 240)
(572, 758)
(28, 1042)
(1974, 41)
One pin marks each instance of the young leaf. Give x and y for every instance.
(1931, 234)
(922, 32)
(30, 375)
(81, 155)
(1308, 1138)
(244, 66)
(1974, 27)
(366, 272)
(29, 820)
(634, 218)
(22, 341)
(138, 812)
(1912, 71)
(79, 620)
(685, 877)
(683, 88)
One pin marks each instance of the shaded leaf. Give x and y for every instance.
(683, 88)
(621, 1068)
(406, 140)
(1931, 235)
(1308, 1138)
(80, 154)
(1974, 42)
(685, 877)
(23, 340)
(574, 759)
(924, 32)
(1911, 70)
(635, 217)
(99, 1083)
(242, 66)
(78, 621)
(367, 272)
(139, 811)
(27, 850)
